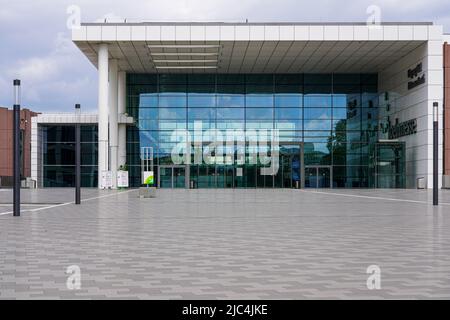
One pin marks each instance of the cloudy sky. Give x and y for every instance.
(35, 43)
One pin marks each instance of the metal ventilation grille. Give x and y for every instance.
(184, 56)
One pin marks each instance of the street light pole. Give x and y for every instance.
(435, 153)
(16, 149)
(77, 157)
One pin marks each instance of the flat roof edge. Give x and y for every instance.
(187, 23)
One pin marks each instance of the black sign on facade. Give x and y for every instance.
(403, 129)
(414, 75)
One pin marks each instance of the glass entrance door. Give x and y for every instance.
(172, 177)
(229, 177)
(206, 176)
(225, 176)
(324, 177)
(179, 177)
(165, 177)
(389, 165)
(318, 177)
(289, 174)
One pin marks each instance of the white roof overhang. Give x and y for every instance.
(253, 48)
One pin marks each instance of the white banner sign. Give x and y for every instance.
(148, 178)
(122, 179)
(106, 182)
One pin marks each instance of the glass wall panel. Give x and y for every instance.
(148, 101)
(208, 101)
(334, 115)
(288, 101)
(339, 113)
(317, 113)
(144, 124)
(259, 101)
(316, 153)
(259, 114)
(357, 177)
(172, 101)
(316, 125)
(59, 156)
(288, 113)
(260, 124)
(318, 79)
(347, 79)
(172, 113)
(148, 113)
(230, 113)
(230, 101)
(59, 133)
(317, 101)
(201, 114)
(231, 89)
(172, 89)
(235, 124)
(231, 79)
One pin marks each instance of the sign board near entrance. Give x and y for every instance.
(122, 179)
(106, 180)
(148, 178)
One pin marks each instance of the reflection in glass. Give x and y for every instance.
(317, 101)
(230, 113)
(335, 116)
(288, 113)
(59, 156)
(259, 101)
(259, 113)
(230, 101)
(288, 101)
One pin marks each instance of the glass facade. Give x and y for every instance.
(59, 155)
(389, 165)
(327, 124)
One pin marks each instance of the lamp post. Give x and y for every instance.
(435, 153)
(77, 156)
(16, 149)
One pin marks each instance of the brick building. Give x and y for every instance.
(6, 144)
(446, 109)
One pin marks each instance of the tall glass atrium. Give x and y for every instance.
(327, 124)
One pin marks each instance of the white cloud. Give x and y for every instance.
(37, 72)
(34, 69)
(4, 92)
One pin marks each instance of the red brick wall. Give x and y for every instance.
(447, 108)
(6, 141)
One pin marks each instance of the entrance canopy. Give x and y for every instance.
(253, 47)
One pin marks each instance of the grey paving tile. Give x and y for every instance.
(228, 244)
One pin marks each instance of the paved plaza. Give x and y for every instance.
(226, 244)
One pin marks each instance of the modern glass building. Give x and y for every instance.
(350, 105)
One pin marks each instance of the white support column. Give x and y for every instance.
(103, 140)
(35, 141)
(113, 121)
(122, 93)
